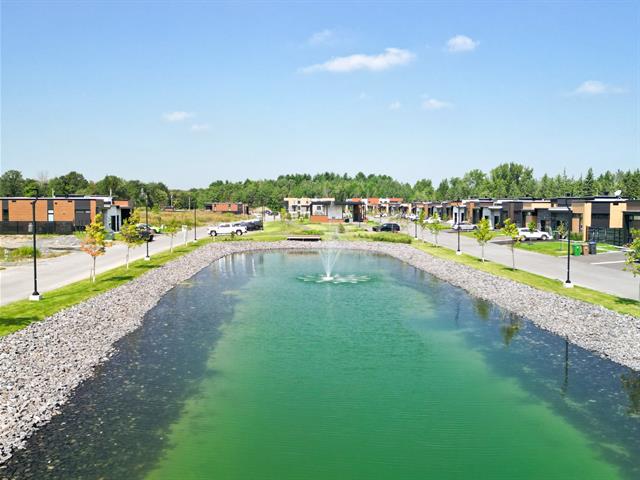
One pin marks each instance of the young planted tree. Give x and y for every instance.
(483, 234)
(187, 227)
(511, 230)
(532, 226)
(435, 226)
(94, 243)
(633, 256)
(562, 232)
(131, 234)
(421, 221)
(171, 229)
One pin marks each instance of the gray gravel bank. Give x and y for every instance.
(42, 364)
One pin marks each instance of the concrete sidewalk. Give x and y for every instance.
(586, 274)
(16, 283)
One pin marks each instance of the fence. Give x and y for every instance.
(613, 236)
(24, 228)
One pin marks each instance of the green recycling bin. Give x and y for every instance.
(577, 249)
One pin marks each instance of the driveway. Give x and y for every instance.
(603, 272)
(16, 283)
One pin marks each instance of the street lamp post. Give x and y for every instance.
(458, 251)
(146, 220)
(567, 282)
(35, 296)
(195, 225)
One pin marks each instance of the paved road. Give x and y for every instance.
(16, 283)
(587, 271)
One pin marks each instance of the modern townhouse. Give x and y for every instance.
(324, 210)
(236, 208)
(61, 215)
(602, 218)
(301, 206)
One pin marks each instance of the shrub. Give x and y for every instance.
(341, 228)
(389, 237)
(311, 232)
(23, 252)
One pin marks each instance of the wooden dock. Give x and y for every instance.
(304, 238)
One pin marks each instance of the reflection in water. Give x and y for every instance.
(511, 329)
(335, 279)
(565, 383)
(631, 385)
(482, 308)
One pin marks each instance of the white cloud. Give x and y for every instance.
(200, 127)
(461, 43)
(176, 116)
(433, 104)
(391, 57)
(324, 37)
(395, 105)
(595, 87)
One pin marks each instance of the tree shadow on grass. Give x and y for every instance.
(10, 325)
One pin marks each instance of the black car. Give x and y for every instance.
(147, 233)
(252, 225)
(387, 227)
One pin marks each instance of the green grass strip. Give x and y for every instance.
(17, 315)
(617, 304)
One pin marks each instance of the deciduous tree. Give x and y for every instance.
(511, 230)
(483, 234)
(435, 226)
(633, 255)
(94, 242)
(131, 234)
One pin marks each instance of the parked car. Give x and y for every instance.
(146, 233)
(526, 234)
(387, 227)
(227, 229)
(464, 226)
(144, 226)
(252, 225)
(413, 217)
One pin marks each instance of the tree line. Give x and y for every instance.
(504, 181)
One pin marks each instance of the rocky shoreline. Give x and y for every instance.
(41, 365)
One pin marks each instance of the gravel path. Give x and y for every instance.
(42, 364)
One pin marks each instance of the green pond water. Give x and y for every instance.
(251, 371)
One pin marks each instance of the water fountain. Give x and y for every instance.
(329, 258)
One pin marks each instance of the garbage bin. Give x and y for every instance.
(585, 249)
(577, 249)
(593, 248)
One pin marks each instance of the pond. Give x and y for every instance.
(250, 371)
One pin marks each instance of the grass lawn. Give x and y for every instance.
(618, 304)
(558, 248)
(17, 315)
(549, 247)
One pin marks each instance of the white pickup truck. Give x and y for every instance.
(227, 229)
(526, 234)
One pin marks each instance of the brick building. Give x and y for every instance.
(237, 208)
(60, 214)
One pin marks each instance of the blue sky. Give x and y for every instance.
(187, 93)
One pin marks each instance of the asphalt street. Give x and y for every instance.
(591, 271)
(16, 283)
